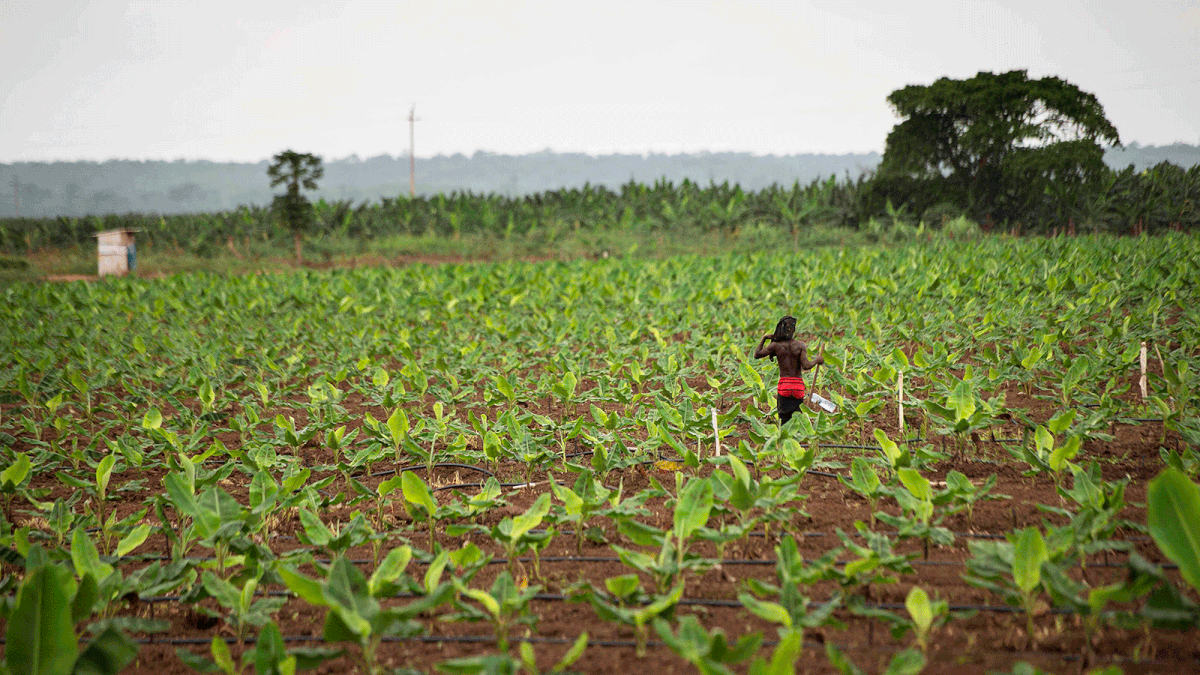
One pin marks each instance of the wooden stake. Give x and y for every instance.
(716, 435)
(1142, 379)
(900, 399)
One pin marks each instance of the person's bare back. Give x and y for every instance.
(792, 356)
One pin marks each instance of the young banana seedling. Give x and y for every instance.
(625, 603)
(352, 601)
(269, 656)
(517, 535)
(505, 605)
(708, 652)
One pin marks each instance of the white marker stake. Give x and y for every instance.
(716, 435)
(900, 398)
(1142, 380)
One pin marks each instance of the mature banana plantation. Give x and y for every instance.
(1163, 198)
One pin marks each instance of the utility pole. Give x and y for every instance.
(412, 161)
(16, 195)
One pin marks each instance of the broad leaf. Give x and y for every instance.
(694, 505)
(1173, 516)
(525, 522)
(919, 608)
(40, 639)
(417, 492)
(1028, 555)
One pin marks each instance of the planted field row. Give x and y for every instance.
(482, 468)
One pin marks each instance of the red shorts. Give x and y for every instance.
(791, 386)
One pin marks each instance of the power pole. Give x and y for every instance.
(412, 161)
(16, 195)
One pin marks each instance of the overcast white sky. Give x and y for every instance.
(221, 80)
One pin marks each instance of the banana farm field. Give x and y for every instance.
(576, 466)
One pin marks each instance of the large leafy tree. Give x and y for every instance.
(296, 170)
(999, 146)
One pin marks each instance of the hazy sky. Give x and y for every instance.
(220, 80)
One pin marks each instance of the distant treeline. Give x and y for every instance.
(38, 189)
(1128, 201)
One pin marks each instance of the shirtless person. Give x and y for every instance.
(793, 361)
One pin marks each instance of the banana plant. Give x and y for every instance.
(916, 499)
(671, 564)
(707, 651)
(767, 499)
(289, 435)
(904, 662)
(471, 508)
(494, 664)
(962, 494)
(580, 502)
(1047, 455)
(335, 538)
(794, 612)
(269, 657)
(876, 562)
(418, 499)
(104, 471)
(892, 455)
(60, 516)
(40, 637)
(212, 514)
(517, 534)
(783, 659)
(965, 412)
(353, 610)
(1177, 383)
(620, 606)
(1173, 516)
(694, 503)
(106, 583)
(1093, 525)
(242, 610)
(1091, 603)
(925, 615)
(864, 481)
(1187, 461)
(11, 480)
(505, 605)
(564, 390)
(1012, 569)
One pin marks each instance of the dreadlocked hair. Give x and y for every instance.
(784, 331)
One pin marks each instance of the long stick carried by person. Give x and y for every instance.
(826, 404)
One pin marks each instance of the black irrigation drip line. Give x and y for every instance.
(439, 465)
(542, 640)
(431, 639)
(695, 602)
(840, 446)
(699, 602)
(459, 486)
(603, 559)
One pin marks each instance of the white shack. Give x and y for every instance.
(117, 252)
